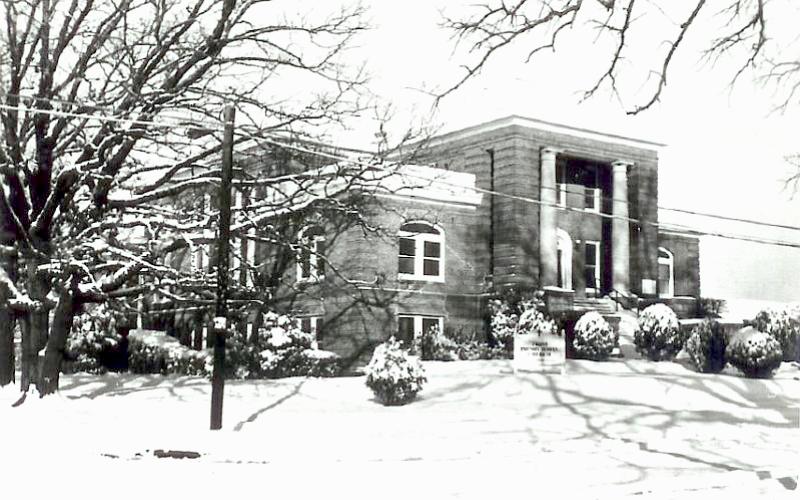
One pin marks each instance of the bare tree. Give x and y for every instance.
(103, 105)
(640, 39)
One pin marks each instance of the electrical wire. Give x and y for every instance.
(207, 126)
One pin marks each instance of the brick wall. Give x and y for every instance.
(686, 254)
(517, 169)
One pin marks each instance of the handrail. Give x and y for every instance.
(615, 295)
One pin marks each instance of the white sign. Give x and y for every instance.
(539, 353)
(220, 322)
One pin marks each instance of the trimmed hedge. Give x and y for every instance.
(755, 353)
(593, 337)
(658, 335)
(394, 376)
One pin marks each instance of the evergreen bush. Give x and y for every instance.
(433, 345)
(394, 376)
(92, 338)
(658, 334)
(783, 325)
(706, 347)
(594, 338)
(756, 354)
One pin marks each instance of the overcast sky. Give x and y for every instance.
(725, 150)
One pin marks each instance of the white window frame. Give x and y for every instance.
(418, 318)
(314, 322)
(561, 194)
(564, 243)
(419, 253)
(313, 256)
(669, 260)
(596, 244)
(595, 198)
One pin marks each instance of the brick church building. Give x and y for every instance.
(515, 202)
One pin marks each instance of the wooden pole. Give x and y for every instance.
(221, 319)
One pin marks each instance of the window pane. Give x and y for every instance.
(407, 246)
(590, 200)
(320, 257)
(591, 254)
(663, 273)
(406, 265)
(305, 264)
(430, 267)
(305, 325)
(432, 249)
(589, 276)
(428, 323)
(405, 329)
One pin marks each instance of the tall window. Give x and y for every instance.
(310, 255)
(666, 273)
(410, 327)
(592, 266)
(311, 325)
(421, 252)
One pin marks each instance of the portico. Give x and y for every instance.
(590, 216)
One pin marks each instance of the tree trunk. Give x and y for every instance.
(57, 343)
(6, 344)
(35, 327)
(7, 328)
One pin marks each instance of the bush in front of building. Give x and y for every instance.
(783, 325)
(706, 347)
(156, 352)
(278, 349)
(708, 307)
(756, 354)
(506, 312)
(394, 376)
(434, 345)
(92, 339)
(593, 337)
(658, 335)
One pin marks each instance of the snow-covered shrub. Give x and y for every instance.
(534, 321)
(506, 312)
(433, 345)
(783, 325)
(278, 349)
(710, 308)
(503, 323)
(658, 335)
(756, 354)
(93, 336)
(157, 352)
(473, 350)
(393, 375)
(594, 338)
(706, 347)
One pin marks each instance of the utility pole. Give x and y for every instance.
(221, 317)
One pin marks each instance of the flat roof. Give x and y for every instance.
(535, 123)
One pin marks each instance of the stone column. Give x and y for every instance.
(620, 228)
(548, 253)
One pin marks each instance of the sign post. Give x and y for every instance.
(221, 318)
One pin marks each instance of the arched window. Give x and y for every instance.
(666, 273)
(311, 254)
(564, 249)
(421, 252)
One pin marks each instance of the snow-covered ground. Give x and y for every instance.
(602, 430)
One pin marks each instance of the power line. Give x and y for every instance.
(673, 227)
(207, 126)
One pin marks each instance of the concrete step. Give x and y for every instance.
(601, 305)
